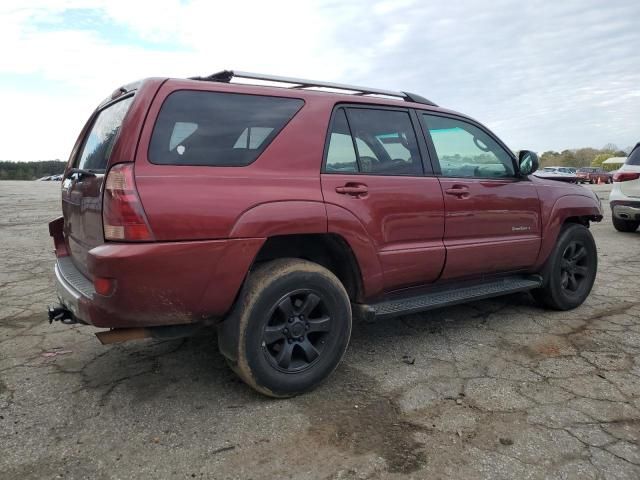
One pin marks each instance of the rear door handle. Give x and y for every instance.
(354, 189)
(459, 191)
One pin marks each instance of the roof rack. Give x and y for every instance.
(226, 76)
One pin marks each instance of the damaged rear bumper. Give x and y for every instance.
(156, 284)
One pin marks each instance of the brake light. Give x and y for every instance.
(123, 217)
(625, 176)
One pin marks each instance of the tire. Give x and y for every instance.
(570, 270)
(294, 323)
(625, 225)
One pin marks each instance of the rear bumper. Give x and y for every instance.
(626, 210)
(157, 284)
(69, 288)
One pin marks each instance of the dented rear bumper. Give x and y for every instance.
(156, 284)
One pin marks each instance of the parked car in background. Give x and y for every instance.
(563, 174)
(275, 214)
(624, 199)
(593, 175)
(51, 178)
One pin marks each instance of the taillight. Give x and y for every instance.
(122, 215)
(625, 176)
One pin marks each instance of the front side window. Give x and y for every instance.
(99, 142)
(217, 129)
(464, 150)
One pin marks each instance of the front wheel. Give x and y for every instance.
(294, 323)
(625, 225)
(570, 271)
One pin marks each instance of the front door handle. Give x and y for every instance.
(353, 189)
(459, 191)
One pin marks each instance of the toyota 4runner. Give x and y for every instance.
(277, 211)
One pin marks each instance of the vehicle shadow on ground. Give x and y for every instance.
(193, 370)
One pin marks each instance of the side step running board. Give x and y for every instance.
(450, 296)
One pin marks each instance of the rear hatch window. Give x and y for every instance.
(217, 129)
(99, 142)
(82, 194)
(634, 156)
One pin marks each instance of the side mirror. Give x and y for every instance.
(527, 162)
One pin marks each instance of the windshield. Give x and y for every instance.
(99, 142)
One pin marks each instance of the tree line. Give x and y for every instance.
(583, 157)
(580, 157)
(30, 170)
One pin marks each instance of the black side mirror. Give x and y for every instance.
(527, 162)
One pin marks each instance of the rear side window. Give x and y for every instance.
(341, 155)
(99, 142)
(217, 129)
(372, 141)
(634, 156)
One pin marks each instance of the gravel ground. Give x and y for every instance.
(493, 389)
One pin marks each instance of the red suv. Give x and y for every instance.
(276, 213)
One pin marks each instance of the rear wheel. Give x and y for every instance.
(294, 327)
(570, 270)
(625, 225)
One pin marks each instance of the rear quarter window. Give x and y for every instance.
(217, 129)
(98, 144)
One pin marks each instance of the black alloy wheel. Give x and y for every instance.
(570, 270)
(289, 329)
(574, 267)
(297, 331)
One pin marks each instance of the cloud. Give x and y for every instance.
(542, 75)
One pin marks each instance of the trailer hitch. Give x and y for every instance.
(61, 314)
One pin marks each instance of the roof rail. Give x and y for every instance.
(298, 83)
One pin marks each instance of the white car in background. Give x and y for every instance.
(564, 174)
(625, 196)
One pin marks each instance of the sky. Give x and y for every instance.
(543, 75)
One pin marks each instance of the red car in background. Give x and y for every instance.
(593, 175)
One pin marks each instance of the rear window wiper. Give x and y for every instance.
(84, 172)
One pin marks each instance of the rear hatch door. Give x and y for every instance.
(83, 182)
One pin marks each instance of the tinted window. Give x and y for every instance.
(341, 156)
(217, 129)
(634, 156)
(385, 142)
(464, 150)
(99, 141)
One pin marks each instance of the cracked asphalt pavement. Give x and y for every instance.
(493, 389)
